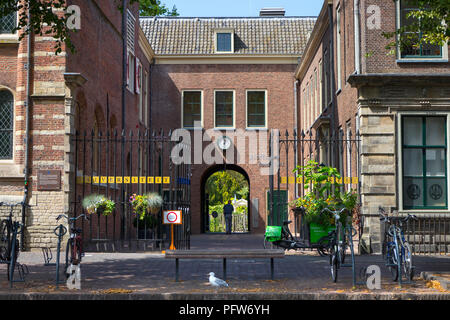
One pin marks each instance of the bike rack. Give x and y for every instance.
(21, 268)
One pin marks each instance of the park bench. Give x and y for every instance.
(224, 254)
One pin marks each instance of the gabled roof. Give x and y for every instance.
(252, 36)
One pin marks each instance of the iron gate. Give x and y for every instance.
(118, 165)
(292, 150)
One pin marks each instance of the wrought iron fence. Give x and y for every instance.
(429, 235)
(118, 165)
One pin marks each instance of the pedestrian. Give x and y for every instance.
(228, 213)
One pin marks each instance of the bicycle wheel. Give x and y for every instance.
(323, 246)
(13, 259)
(69, 258)
(408, 268)
(334, 266)
(392, 262)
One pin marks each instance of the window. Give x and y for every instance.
(131, 25)
(139, 84)
(145, 97)
(131, 72)
(256, 109)
(411, 49)
(8, 23)
(338, 47)
(192, 108)
(424, 153)
(224, 41)
(224, 114)
(6, 125)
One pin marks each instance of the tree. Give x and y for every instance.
(224, 185)
(427, 24)
(50, 17)
(155, 8)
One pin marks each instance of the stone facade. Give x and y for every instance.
(66, 90)
(371, 99)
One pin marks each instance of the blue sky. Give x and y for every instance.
(242, 8)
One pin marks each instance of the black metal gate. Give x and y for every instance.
(340, 150)
(118, 165)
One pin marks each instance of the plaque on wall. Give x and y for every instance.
(49, 180)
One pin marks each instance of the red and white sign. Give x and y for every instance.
(172, 217)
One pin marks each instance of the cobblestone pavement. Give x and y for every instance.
(151, 273)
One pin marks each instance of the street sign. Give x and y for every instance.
(172, 217)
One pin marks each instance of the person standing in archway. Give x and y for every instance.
(228, 210)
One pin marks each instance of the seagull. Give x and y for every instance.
(216, 282)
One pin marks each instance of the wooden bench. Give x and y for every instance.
(224, 254)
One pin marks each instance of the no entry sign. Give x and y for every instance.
(172, 217)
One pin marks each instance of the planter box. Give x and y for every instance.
(317, 231)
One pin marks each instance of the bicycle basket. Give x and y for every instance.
(273, 233)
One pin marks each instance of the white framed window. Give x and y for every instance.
(6, 125)
(145, 97)
(192, 108)
(7, 25)
(131, 27)
(423, 160)
(256, 109)
(413, 52)
(224, 109)
(131, 71)
(224, 41)
(138, 89)
(338, 48)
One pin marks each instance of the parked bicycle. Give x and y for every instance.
(287, 241)
(396, 250)
(338, 243)
(74, 248)
(9, 242)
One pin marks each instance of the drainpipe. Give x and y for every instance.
(296, 82)
(357, 37)
(332, 75)
(27, 133)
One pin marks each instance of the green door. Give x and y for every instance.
(280, 207)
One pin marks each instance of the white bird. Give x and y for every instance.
(216, 282)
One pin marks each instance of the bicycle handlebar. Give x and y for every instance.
(385, 218)
(8, 204)
(336, 212)
(72, 219)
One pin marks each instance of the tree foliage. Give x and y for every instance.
(224, 185)
(50, 17)
(430, 20)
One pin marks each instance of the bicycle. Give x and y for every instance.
(74, 247)
(338, 243)
(397, 252)
(287, 241)
(9, 242)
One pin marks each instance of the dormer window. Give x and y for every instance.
(224, 41)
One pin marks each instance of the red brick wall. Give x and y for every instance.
(168, 81)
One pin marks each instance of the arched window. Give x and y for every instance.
(6, 124)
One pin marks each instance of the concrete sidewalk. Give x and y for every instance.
(303, 275)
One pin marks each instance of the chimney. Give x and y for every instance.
(272, 12)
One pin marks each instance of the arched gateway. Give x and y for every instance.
(212, 222)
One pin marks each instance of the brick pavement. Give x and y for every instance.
(150, 274)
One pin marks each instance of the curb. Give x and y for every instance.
(430, 275)
(225, 296)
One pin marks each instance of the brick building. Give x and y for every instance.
(399, 103)
(46, 98)
(235, 77)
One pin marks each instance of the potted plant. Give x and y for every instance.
(96, 203)
(322, 190)
(144, 204)
(145, 225)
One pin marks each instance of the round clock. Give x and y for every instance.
(224, 143)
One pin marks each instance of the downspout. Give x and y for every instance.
(296, 82)
(357, 37)
(332, 76)
(27, 134)
(124, 84)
